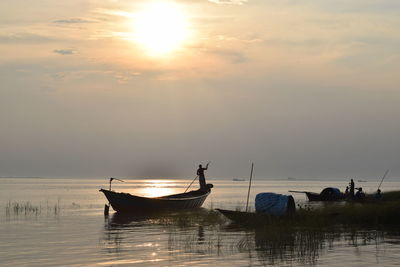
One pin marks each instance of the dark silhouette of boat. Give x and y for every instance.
(269, 206)
(327, 194)
(242, 217)
(252, 218)
(124, 202)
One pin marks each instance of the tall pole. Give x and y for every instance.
(383, 178)
(191, 183)
(248, 193)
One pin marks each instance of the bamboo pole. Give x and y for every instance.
(383, 179)
(190, 184)
(248, 193)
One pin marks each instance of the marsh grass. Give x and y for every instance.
(375, 213)
(273, 244)
(22, 208)
(27, 208)
(203, 217)
(342, 214)
(371, 212)
(275, 241)
(390, 196)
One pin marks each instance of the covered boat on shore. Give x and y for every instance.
(124, 202)
(327, 194)
(268, 206)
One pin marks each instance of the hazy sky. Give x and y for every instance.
(304, 88)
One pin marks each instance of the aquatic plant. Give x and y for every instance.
(21, 208)
(375, 213)
(277, 241)
(191, 218)
(274, 245)
(27, 208)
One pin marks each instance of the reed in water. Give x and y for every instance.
(27, 208)
(369, 213)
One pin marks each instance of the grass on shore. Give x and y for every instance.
(385, 212)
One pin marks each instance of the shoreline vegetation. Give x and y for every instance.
(371, 213)
(301, 237)
(368, 213)
(384, 212)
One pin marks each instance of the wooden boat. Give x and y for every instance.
(269, 206)
(241, 217)
(124, 202)
(327, 194)
(252, 218)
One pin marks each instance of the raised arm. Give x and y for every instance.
(206, 168)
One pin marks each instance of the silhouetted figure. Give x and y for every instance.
(202, 178)
(378, 195)
(360, 194)
(346, 192)
(351, 188)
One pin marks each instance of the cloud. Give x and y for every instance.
(73, 21)
(232, 56)
(354, 6)
(23, 37)
(113, 12)
(64, 51)
(228, 2)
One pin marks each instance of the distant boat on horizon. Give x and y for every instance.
(238, 179)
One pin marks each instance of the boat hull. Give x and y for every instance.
(124, 202)
(240, 216)
(319, 197)
(251, 218)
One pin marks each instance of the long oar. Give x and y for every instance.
(383, 179)
(248, 192)
(191, 183)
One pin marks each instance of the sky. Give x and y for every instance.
(142, 89)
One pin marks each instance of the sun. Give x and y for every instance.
(161, 27)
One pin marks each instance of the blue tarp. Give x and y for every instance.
(274, 204)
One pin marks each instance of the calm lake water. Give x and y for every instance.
(61, 223)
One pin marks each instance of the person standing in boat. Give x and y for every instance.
(351, 188)
(202, 178)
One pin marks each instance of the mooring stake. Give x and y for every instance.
(106, 209)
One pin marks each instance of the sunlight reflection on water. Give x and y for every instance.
(79, 234)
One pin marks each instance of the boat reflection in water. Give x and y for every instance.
(201, 236)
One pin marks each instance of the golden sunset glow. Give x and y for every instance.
(161, 27)
(157, 188)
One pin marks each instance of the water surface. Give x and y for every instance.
(60, 222)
